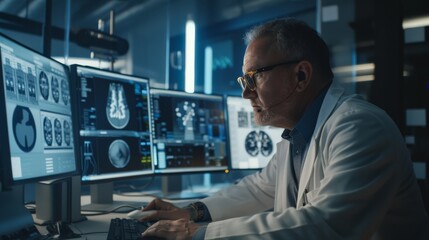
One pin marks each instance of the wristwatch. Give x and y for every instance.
(196, 211)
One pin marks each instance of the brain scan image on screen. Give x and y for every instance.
(65, 93)
(58, 132)
(31, 81)
(185, 113)
(266, 146)
(251, 144)
(44, 85)
(119, 153)
(8, 75)
(47, 131)
(258, 142)
(117, 110)
(28, 113)
(55, 86)
(24, 128)
(20, 76)
(243, 119)
(67, 132)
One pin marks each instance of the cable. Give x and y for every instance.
(110, 211)
(133, 187)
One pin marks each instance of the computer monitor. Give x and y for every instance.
(37, 142)
(36, 120)
(252, 146)
(189, 132)
(113, 124)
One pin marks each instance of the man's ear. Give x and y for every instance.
(304, 71)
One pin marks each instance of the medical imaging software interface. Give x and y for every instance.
(38, 112)
(252, 146)
(189, 132)
(114, 124)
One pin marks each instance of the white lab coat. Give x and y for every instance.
(357, 182)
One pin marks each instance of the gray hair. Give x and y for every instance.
(297, 40)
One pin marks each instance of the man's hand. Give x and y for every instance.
(165, 211)
(181, 229)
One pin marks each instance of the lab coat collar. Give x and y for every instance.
(329, 103)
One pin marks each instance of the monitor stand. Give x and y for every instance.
(102, 200)
(172, 189)
(58, 200)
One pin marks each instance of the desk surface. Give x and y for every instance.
(97, 226)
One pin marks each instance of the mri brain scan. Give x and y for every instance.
(44, 85)
(47, 131)
(55, 89)
(31, 80)
(65, 93)
(67, 132)
(8, 76)
(119, 153)
(24, 128)
(117, 110)
(58, 132)
(20, 76)
(258, 142)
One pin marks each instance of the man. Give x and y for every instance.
(342, 170)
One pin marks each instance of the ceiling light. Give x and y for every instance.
(416, 22)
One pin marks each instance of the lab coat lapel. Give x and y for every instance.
(332, 96)
(306, 172)
(281, 200)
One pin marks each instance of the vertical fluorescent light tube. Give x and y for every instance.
(208, 89)
(67, 32)
(190, 57)
(208, 73)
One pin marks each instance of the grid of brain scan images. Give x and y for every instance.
(114, 124)
(252, 146)
(38, 113)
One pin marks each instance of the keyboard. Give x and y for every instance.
(127, 229)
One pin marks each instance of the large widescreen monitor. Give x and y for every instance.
(37, 142)
(252, 146)
(113, 130)
(113, 124)
(189, 132)
(36, 122)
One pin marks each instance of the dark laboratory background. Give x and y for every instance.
(376, 51)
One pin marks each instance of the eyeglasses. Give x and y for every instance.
(247, 80)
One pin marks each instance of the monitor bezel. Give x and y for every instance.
(199, 170)
(75, 94)
(5, 152)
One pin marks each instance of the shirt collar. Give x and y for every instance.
(307, 123)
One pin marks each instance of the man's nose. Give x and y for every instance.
(248, 94)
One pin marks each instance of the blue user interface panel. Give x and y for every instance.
(113, 112)
(189, 132)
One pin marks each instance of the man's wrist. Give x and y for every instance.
(192, 212)
(196, 211)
